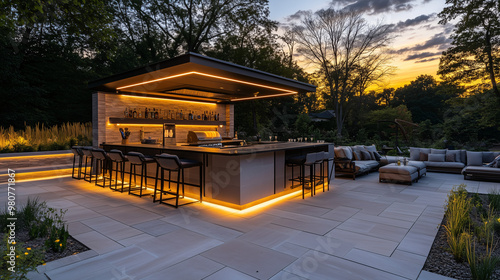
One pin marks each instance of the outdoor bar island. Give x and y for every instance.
(185, 106)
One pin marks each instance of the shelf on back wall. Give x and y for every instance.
(162, 121)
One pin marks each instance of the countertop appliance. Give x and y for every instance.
(210, 139)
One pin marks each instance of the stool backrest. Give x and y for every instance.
(116, 155)
(77, 150)
(87, 151)
(168, 161)
(99, 153)
(329, 155)
(135, 157)
(311, 158)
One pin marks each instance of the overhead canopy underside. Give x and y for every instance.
(196, 77)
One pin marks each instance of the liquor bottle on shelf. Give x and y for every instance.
(125, 113)
(146, 113)
(139, 113)
(130, 113)
(190, 116)
(134, 113)
(218, 117)
(156, 114)
(181, 117)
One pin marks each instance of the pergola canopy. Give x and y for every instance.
(196, 77)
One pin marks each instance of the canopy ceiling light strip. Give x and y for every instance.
(285, 91)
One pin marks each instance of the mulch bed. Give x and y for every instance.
(73, 246)
(440, 259)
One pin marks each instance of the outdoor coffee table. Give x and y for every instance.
(398, 173)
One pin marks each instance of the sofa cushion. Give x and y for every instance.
(455, 154)
(489, 156)
(438, 151)
(366, 165)
(436, 157)
(414, 153)
(423, 156)
(444, 164)
(481, 170)
(475, 158)
(377, 156)
(356, 155)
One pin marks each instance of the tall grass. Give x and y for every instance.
(42, 138)
(457, 221)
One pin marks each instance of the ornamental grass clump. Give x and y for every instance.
(457, 221)
(483, 265)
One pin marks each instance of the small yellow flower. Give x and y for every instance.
(60, 244)
(43, 263)
(56, 241)
(498, 220)
(13, 243)
(17, 256)
(28, 248)
(26, 253)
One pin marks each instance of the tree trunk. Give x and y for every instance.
(489, 65)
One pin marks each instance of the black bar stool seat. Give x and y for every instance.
(77, 152)
(172, 163)
(292, 162)
(119, 159)
(135, 159)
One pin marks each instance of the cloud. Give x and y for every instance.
(415, 21)
(421, 55)
(427, 60)
(375, 6)
(439, 41)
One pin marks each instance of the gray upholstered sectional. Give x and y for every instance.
(352, 161)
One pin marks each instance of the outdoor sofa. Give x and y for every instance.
(358, 160)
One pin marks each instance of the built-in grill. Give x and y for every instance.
(209, 139)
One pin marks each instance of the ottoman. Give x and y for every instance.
(421, 168)
(399, 173)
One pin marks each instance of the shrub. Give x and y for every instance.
(494, 198)
(457, 211)
(26, 259)
(482, 267)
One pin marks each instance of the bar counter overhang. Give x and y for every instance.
(238, 177)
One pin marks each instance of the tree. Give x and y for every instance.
(425, 98)
(347, 51)
(475, 52)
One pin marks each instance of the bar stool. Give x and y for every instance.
(327, 158)
(293, 162)
(172, 163)
(77, 152)
(309, 160)
(117, 157)
(87, 152)
(100, 158)
(135, 159)
(320, 159)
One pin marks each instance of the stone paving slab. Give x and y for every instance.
(360, 229)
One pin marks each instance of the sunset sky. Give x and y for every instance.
(419, 41)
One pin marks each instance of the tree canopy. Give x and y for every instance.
(475, 52)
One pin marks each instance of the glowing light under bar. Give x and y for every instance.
(36, 156)
(170, 99)
(286, 92)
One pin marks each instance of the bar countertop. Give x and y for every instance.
(257, 147)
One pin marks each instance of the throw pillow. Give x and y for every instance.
(414, 153)
(495, 162)
(450, 157)
(347, 152)
(357, 155)
(377, 156)
(339, 153)
(474, 158)
(436, 157)
(371, 148)
(365, 155)
(488, 156)
(456, 155)
(438, 151)
(423, 156)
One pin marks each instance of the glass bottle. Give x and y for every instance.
(146, 113)
(134, 113)
(125, 113)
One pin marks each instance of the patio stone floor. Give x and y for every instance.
(360, 229)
